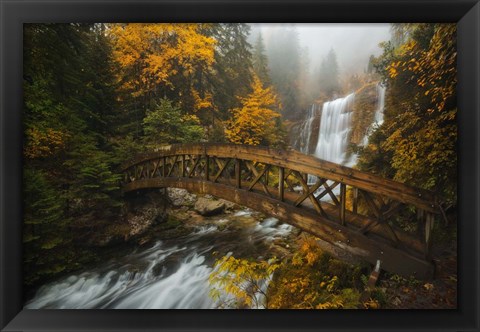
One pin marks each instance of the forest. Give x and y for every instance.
(97, 95)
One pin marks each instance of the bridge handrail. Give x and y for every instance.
(295, 160)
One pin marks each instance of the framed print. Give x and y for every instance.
(298, 158)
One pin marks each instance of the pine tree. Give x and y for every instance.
(165, 124)
(329, 75)
(259, 60)
(283, 51)
(231, 76)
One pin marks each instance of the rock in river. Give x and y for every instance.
(208, 207)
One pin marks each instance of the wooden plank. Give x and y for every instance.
(343, 199)
(184, 166)
(258, 176)
(164, 166)
(155, 167)
(329, 191)
(222, 166)
(355, 200)
(371, 204)
(311, 190)
(195, 163)
(393, 260)
(238, 179)
(207, 172)
(312, 198)
(173, 165)
(310, 165)
(281, 182)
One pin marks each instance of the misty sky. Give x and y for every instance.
(353, 42)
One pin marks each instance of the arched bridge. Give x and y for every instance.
(356, 211)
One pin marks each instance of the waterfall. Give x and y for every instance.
(303, 142)
(334, 130)
(378, 118)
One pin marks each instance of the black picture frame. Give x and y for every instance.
(14, 13)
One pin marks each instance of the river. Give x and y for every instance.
(170, 274)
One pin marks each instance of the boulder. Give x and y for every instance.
(181, 197)
(207, 207)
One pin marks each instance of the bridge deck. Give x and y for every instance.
(358, 216)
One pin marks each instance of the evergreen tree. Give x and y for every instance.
(166, 124)
(231, 76)
(259, 59)
(329, 75)
(69, 102)
(283, 51)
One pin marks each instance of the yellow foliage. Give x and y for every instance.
(254, 123)
(151, 54)
(41, 144)
(371, 304)
(241, 278)
(202, 103)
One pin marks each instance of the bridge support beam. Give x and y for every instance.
(393, 259)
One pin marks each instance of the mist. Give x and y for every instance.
(352, 43)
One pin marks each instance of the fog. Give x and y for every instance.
(352, 43)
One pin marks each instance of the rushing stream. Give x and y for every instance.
(169, 274)
(174, 273)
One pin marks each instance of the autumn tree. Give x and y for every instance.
(420, 127)
(160, 60)
(256, 121)
(235, 282)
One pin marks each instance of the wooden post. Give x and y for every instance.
(183, 166)
(355, 200)
(164, 168)
(281, 175)
(207, 168)
(238, 180)
(420, 222)
(343, 196)
(429, 221)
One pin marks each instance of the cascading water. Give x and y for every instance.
(334, 129)
(171, 274)
(378, 118)
(333, 132)
(306, 131)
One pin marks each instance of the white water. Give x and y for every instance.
(306, 131)
(334, 130)
(168, 275)
(378, 118)
(333, 133)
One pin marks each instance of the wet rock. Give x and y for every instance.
(181, 197)
(207, 207)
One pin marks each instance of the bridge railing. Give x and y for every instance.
(365, 202)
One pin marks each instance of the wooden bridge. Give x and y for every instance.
(356, 211)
